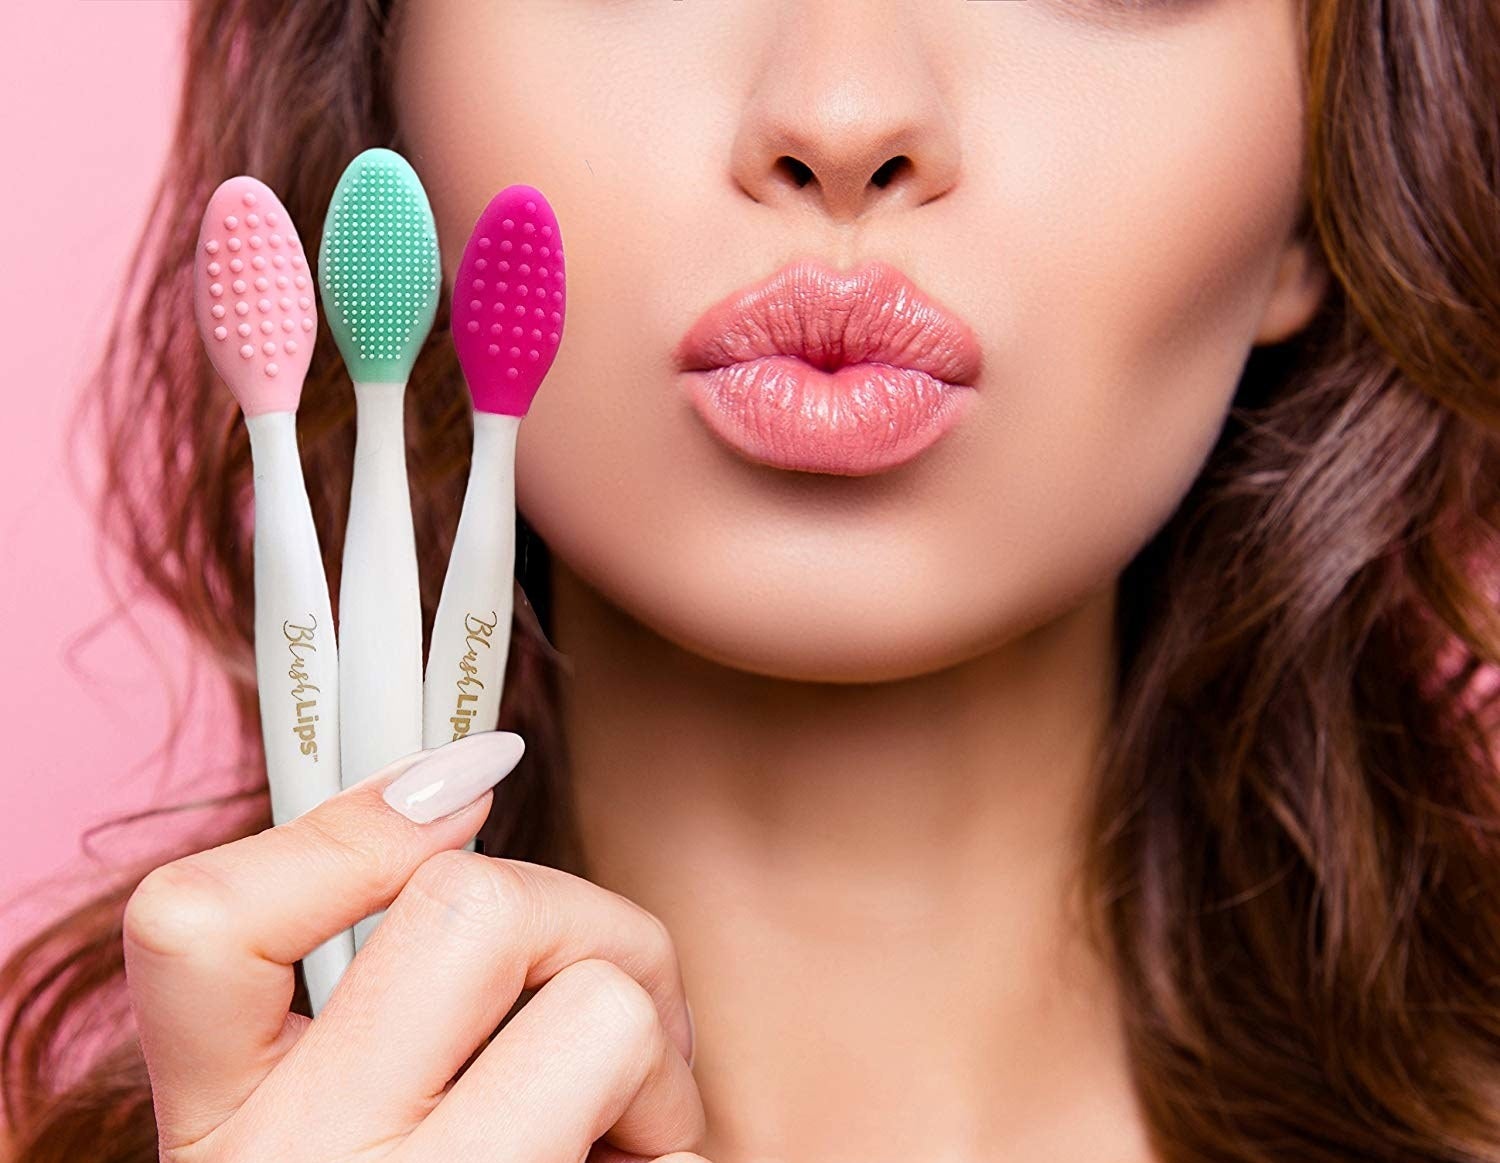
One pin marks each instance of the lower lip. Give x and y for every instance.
(863, 418)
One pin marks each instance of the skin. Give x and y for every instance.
(854, 804)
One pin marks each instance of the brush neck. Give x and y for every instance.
(495, 437)
(273, 444)
(379, 402)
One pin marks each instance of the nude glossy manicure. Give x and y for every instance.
(454, 775)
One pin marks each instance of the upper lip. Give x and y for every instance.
(829, 318)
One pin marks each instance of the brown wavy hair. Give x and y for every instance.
(1295, 866)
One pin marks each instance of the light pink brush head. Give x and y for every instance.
(253, 296)
(509, 299)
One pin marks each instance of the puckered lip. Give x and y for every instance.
(831, 319)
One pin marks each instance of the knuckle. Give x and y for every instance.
(177, 909)
(655, 953)
(468, 891)
(624, 1009)
(661, 949)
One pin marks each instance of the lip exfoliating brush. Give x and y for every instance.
(507, 322)
(253, 299)
(380, 275)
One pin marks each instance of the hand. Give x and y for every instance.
(600, 1050)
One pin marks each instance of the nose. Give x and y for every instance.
(846, 114)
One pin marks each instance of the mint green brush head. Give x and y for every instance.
(379, 270)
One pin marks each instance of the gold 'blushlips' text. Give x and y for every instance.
(300, 643)
(469, 684)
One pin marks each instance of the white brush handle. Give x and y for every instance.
(380, 613)
(471, 632)
(296, 658)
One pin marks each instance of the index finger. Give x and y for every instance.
(210, 939)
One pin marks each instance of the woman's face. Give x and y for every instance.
(1103, 190)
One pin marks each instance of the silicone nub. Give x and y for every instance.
(509, 299)
(379, 267)
(253, 296)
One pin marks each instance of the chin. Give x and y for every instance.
(853, 618)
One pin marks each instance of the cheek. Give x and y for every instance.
(494, 93)
(1140, 202)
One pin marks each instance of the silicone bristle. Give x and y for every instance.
(509, 299)
(253, 296)
(379, 267)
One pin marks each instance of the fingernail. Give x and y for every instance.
(454, 775)
(692, 1034)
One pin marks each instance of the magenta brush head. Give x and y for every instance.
(253, 296)
(509, 299)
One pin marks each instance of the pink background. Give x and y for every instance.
(89, 90)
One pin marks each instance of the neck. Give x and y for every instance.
(871, 886)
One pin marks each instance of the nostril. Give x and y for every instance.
(886, 174)
(800, 173)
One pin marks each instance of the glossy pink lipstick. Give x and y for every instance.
(817, 370)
